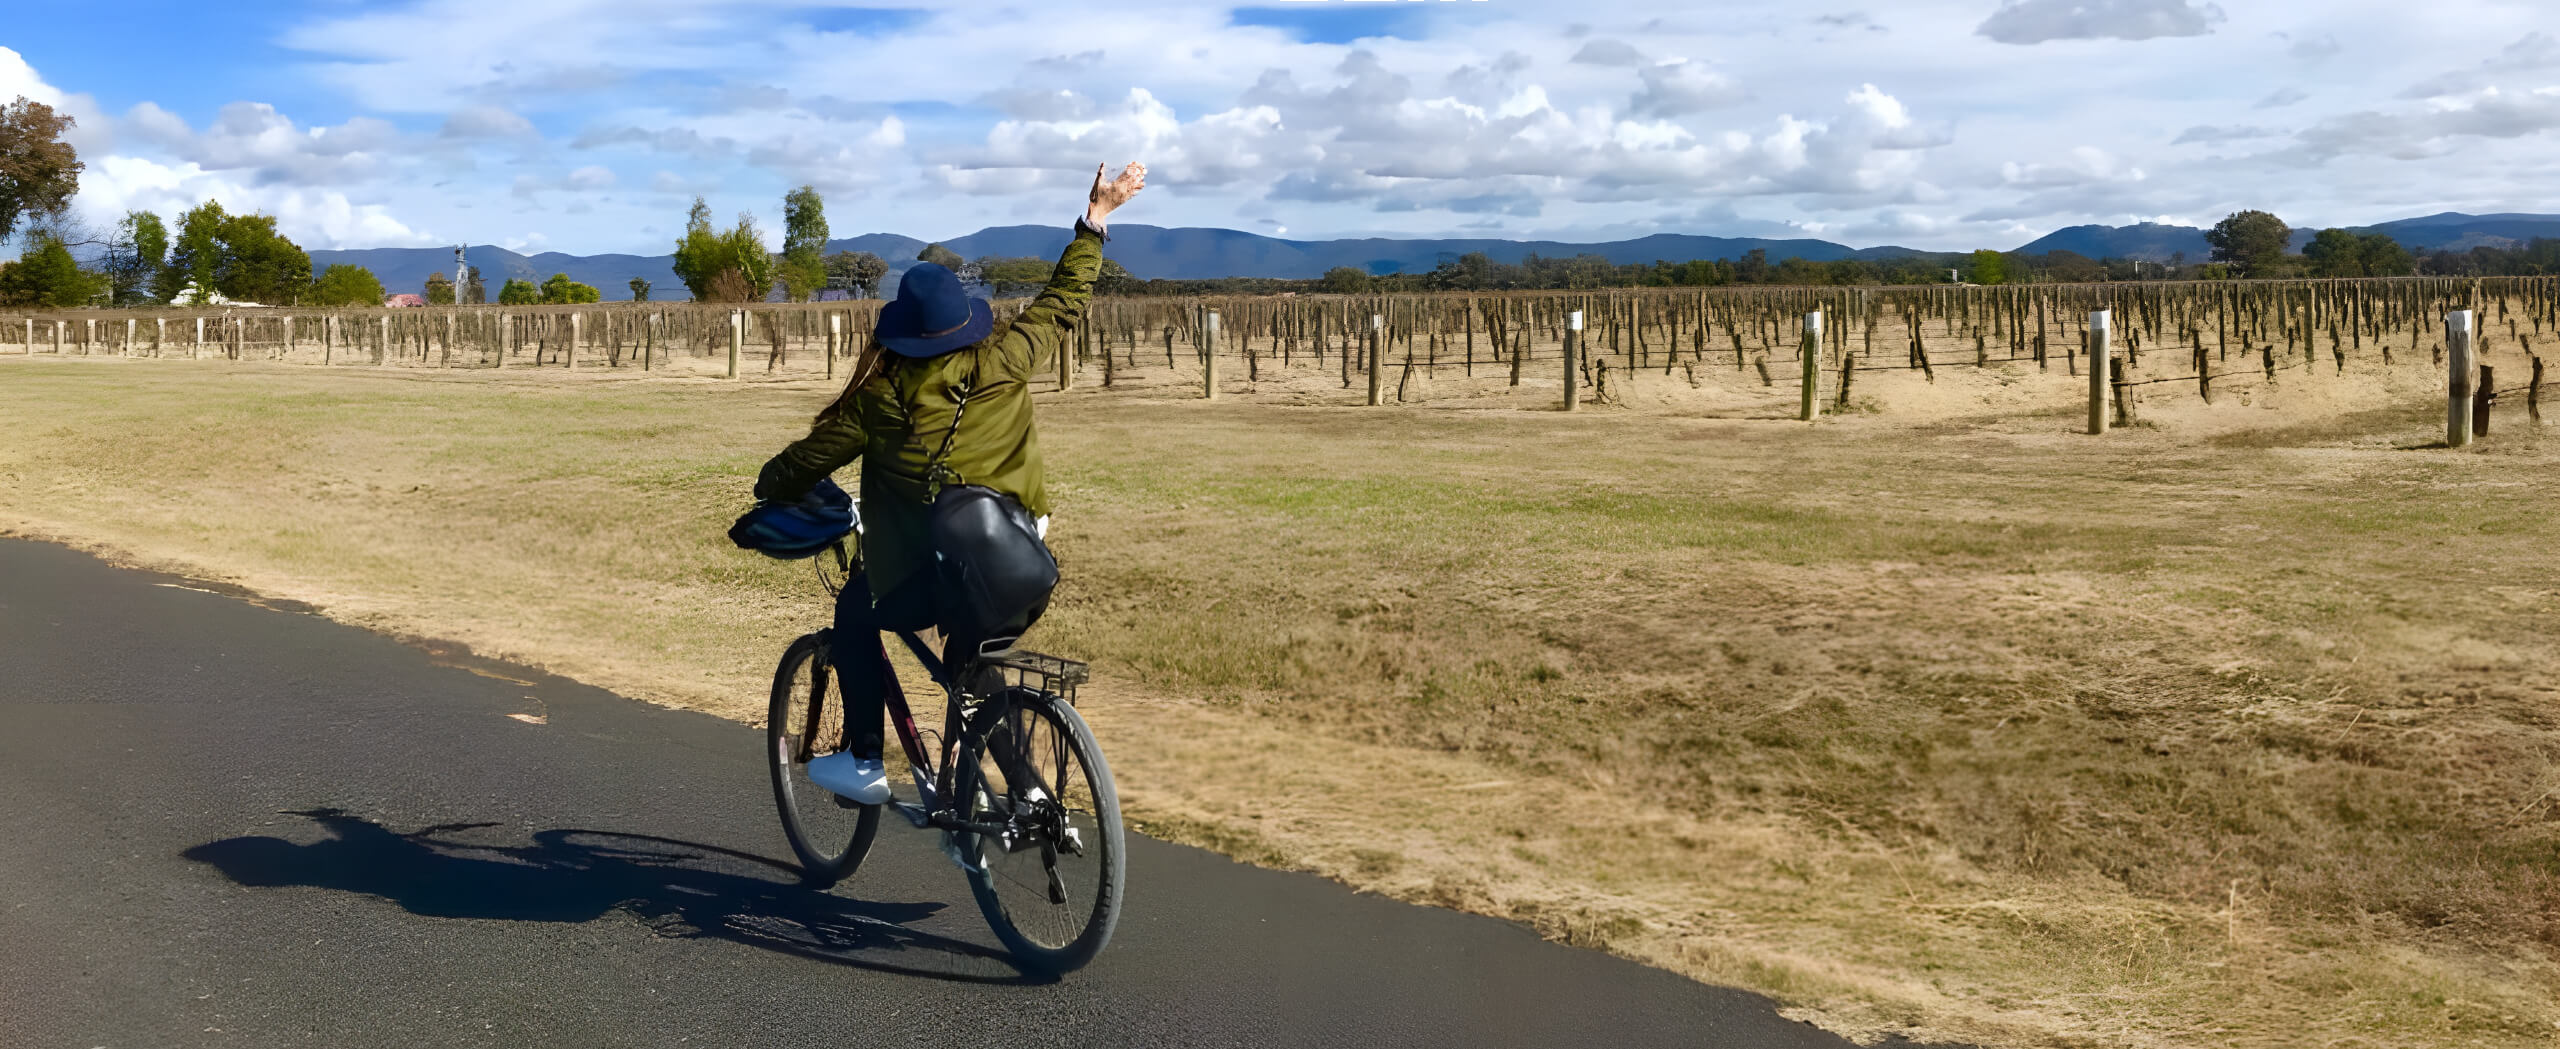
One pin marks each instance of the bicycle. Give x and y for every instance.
(1014, 781)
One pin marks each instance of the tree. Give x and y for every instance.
(1754, 267)
(46, 275)
(723, 267)
(2251, 241)
(519, 293)
(439, 288)
(1115, 280)
(345, 285)
(474, 293)
(697, 256)
(1989, 267)
(561, 291)
(1344, 280)
(1011, 277)
(259, 264)
(847, 270)
(197, 254)
(241, 256)
(743, 252)
(38, 171)
(940, 256)
(2335, 252)
(2385, 256)
(639, 290)
(804, 243)
(134, 257)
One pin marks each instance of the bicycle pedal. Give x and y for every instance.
(915, 814)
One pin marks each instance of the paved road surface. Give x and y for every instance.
(223, 824)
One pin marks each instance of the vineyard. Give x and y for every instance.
(1938, 718)
(2212, 339)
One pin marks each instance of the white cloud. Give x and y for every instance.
(1609, 53)
(313, 218)
(2535, 52)
(1531, 117)
(1679, 87)
(2314, 47)
(2037, 21)
(17, 78)
(486, 122)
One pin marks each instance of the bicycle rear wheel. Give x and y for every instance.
(1050, 885)
(806, 720)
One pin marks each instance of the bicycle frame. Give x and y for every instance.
(937, 768)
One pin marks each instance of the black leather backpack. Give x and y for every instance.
(995, 572)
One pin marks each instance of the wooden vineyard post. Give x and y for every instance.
(30, 345)
(1209, 361)
(2457, 368)
(835, 328)
(2101, 332)
(737, 335)
(1809, 353)
(159, 334)
(1377, 324)
(57, 338)
(199, 350)
(386, 341)
(2533, 391)
(506, 330)
(569, 357)
(1572, 335)
(1067, 355)
(2484, 397)
(2124, 395)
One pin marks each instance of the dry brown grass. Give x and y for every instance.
(2236, 728)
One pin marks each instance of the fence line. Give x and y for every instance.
(1516, 337)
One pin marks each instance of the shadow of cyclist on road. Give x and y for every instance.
(676, 888)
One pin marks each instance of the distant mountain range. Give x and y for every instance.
(1155, 251)
(2152, 242)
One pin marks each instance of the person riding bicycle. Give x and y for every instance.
(947, 403)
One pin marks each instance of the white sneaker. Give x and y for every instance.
(863, 781)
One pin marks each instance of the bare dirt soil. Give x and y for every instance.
(2234, 727)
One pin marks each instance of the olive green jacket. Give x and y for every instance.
(898, 419)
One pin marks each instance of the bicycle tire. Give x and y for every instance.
(993, 882)
(805, 806)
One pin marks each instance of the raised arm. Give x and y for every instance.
(1042, 327)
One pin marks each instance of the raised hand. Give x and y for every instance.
(1108, 196)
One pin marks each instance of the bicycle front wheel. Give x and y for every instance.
(806, 720)
(1050, 883)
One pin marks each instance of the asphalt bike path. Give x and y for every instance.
(229, 823)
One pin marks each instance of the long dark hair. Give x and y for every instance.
(866, 367)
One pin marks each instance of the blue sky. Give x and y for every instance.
(588, 125)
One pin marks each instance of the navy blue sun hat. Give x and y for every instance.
(933, 314)
(791, 531)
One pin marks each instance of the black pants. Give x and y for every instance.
(861, 664)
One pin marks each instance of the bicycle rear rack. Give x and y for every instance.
(1036, 671)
